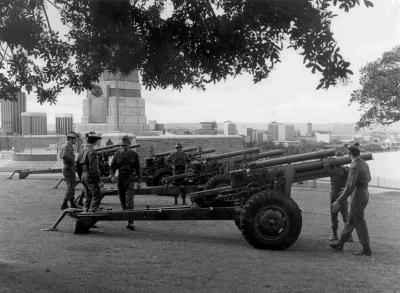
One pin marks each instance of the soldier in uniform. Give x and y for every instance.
(126, 161)
(68, 156)
(87, 167)
(338, 177)
(179, 160)
(357, 189)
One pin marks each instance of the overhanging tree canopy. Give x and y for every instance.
(171, 42)
(379, 95)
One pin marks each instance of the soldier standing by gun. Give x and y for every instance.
(87, 167)
(338, 177)
(68, 156)
(357, 188)
(127, 162)
(179, 159)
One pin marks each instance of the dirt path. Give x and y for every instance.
(201, 256)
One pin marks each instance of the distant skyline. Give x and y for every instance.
(288, 95)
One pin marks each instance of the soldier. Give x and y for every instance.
(127, 162)
(87, 167)
(338, 177)
(68, 156)
(357, 188)
(179, 159)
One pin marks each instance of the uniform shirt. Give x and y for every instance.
(179, 157)
(338, 176)
(358, 178)
(126, 160)
(68, 155)
(87, 161)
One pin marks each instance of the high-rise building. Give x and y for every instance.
(273, 130)
(229, 128)
(64, 123)
(286, 132)
(34, 123)
(11, 114)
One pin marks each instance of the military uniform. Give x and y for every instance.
(89, 173)
(338, 177)
(68, 156)
(357, 188)
(128, 165)
(179, 159)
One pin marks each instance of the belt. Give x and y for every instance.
(362, 185)
(126, 172)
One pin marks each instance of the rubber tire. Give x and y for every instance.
(220, 180)
(261, 201)
(158, 176)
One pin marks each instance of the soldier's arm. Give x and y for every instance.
(114, 166)
(94, 171)
(137, 166)
(68, 154)
(350, 185)
(79, 167)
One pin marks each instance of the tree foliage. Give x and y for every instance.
(379, 95)
(171, 42)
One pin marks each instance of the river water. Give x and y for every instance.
(385, 165)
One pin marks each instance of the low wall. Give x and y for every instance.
(34, 157)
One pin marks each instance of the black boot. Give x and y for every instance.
(366, 250)
(64, 205)
(337, 246)
(175, 200)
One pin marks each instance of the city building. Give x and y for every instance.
(323, 136)
(34, 123)
(11, 114)
(273, 128)
(229, 128)
(64, 123)
(115, 105)
(286, 132)
(305, 129)
(152, 124)
(207, 128)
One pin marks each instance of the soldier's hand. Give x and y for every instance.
(113, 179)
(335, 207)
(101, 184)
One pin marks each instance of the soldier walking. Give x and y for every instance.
(87, 167)
(179, 160)
(338, 177)
(126, 161)
(357, 189)
(68, 156)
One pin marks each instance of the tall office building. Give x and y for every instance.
(229, 128)
(34, 123)
(64, 123)
(273, 130)
(286, 132)
(11, 114)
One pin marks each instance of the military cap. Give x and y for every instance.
(178, 145)
(126, 138)
(93, 135)
(354, 146)
(72, 134)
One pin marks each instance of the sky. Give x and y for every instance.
(289, 95)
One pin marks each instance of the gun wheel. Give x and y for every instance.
(271, 221)
(159, 175)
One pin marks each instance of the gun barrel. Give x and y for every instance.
(205, 151)
(164, 154)
(263, 155)
(233, 154)
(293, 158)
(114, 148)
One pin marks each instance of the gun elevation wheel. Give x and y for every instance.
(271, 221)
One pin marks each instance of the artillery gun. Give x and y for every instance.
(214, 170)
(258, 200)
(157, 166)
